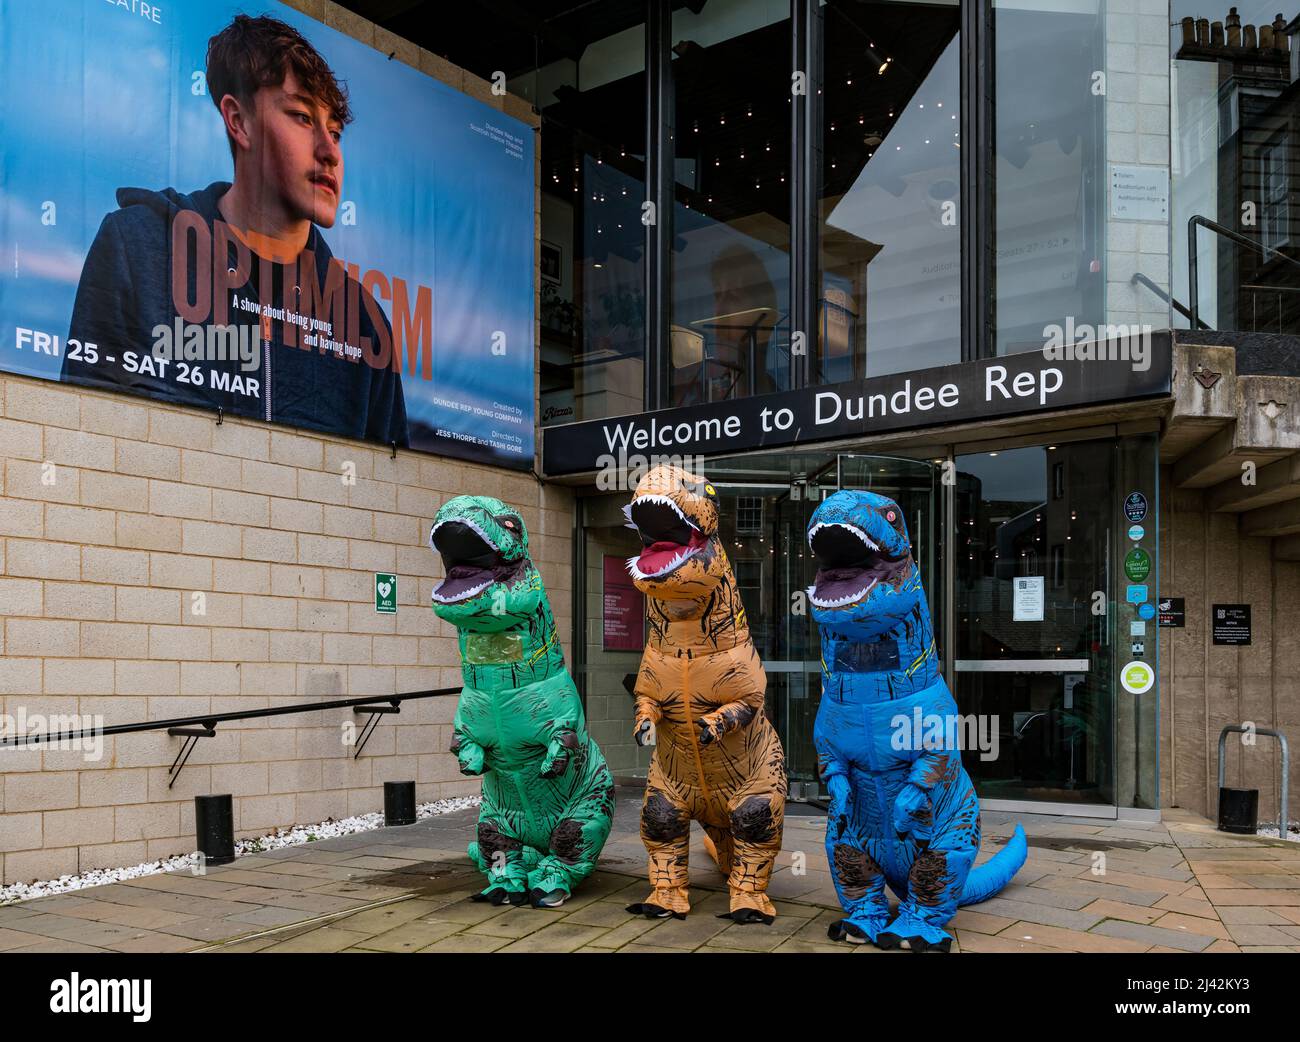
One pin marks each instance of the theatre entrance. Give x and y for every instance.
(765, 503)
(1040, 572)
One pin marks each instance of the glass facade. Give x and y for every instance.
(1048, 175)
(729, 334)
(746, 197)
(853, 189)
(1028, 592)
(889, 195)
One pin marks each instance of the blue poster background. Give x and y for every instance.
(96, 95)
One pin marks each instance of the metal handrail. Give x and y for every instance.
(1143, 280)
(210, 720)
(1193, 287)
(1283, 817)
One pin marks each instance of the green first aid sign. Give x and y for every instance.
(385, 593)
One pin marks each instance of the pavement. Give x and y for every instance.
(1103, 886)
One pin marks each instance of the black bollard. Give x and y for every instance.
(1239, 811)
(399, 802)
(214, 829)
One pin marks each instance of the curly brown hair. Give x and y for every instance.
(251, 53)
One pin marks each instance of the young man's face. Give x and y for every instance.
(294, 145)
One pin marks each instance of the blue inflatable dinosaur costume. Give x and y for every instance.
(903, 810)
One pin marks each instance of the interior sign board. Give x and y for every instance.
(1139, 193)
(1231, 624)
(1078, 374)
(1172, 612)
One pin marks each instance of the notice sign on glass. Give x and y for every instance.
(1027, 599)
(623, 610)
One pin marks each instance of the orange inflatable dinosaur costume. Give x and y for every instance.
(699, 700)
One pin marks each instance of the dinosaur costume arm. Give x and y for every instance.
(561, 742)
(469, 752)
(730, 717)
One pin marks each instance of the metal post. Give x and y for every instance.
(661, 192)
(1283, 815)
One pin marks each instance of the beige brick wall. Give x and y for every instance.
(146, 505)
(149, 505)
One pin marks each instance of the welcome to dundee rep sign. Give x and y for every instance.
(1015, 384)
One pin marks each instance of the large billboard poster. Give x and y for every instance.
(261, 215)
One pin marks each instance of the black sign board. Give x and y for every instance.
(1172, 612)
(1231, 624)
(1011, 385)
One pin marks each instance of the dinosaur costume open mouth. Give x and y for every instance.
(473, 561)
(668, 539)
(851, 564)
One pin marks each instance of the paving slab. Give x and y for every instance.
(1182, 888)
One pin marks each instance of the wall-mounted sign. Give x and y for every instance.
(385, 593)
(1027, 598)
(1139, 193)
(1147, 610)
(1172, 612)
(1008, 385)
(1137, 677)
(1138, 648)
(623, 609)
(1135, 594)
(1230, 624)
(1137, 628)
(1135, 507)
(1137, 564)
(1136, 532)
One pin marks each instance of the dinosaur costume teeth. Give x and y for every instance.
(548, 797)
(700, 702)
(902, 814)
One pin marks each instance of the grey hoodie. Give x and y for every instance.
(126, 291)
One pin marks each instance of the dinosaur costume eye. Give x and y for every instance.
(511, 524)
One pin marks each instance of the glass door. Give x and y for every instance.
(1032, 599)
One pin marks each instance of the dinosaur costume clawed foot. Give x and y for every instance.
(700, 700)
(548, 797)
(903, 811)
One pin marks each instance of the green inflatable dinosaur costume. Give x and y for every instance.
(548, 797)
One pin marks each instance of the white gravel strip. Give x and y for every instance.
(1270, 831)
(289, 837)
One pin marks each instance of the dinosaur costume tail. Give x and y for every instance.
(987, 879)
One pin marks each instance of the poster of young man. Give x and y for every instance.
(261, 215)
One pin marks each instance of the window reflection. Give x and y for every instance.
(889, 197)
(1236, 164)
(729, 336)
(1049, 155)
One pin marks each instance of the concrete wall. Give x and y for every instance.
(1204, 686)
(116, 511)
